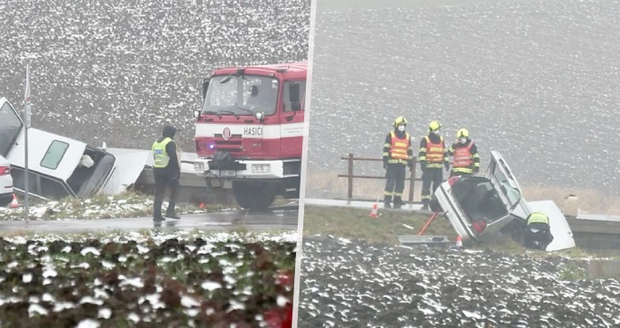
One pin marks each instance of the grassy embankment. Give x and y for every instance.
(356, 224)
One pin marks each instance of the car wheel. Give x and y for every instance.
(434, 205)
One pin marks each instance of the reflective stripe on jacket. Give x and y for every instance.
(160, 154)
(538, 217)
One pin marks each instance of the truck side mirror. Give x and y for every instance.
(205, 87)
(295, 106)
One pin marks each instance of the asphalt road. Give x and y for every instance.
(277, 219)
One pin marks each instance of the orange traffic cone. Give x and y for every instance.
(459, 242)
(14, 203)
(373, 211)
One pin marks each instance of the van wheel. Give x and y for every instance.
(253, 195)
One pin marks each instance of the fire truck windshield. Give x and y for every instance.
(246, 95)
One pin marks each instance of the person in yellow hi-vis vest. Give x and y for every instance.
(167, 172)
(538, 231)
(397, 155)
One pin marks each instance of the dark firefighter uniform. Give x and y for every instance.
(167, 172)
(538, 230)
(465, 158)
(397, 155)
(433, 155)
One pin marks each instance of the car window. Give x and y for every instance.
(513, 194)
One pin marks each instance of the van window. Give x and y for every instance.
(39, 185)
(19, 180)
(54, 154)
(52, 189)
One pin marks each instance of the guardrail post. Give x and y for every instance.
(350, 193)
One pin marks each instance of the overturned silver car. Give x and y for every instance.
(482, 208)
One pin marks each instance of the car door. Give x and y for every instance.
(508, 188)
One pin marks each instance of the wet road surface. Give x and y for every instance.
(277, 219)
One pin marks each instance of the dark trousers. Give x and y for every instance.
(395, 176)
(431, 176)
(543, 236)
(165, 179)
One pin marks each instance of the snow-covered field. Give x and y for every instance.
(353, 284)
(537, 80)
(154, 279)
(114, 71)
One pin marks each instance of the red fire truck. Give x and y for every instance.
(249, 132)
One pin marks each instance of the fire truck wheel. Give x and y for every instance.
(253, 195)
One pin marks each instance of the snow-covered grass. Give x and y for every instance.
(150, 277)
(124, 205)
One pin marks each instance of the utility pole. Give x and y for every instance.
(27, 126)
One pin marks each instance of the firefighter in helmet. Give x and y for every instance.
(397, 155)
(433, 156)
(538, 231)
(465, 159)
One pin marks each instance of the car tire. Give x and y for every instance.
(434, 205)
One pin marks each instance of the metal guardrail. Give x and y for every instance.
(193, 189)
(350, 176)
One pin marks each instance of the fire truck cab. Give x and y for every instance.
(249, 132)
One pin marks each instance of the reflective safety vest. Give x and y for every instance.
(160, 154)
(538, 217)
(462, 156)
(400, 147)
(434, 151)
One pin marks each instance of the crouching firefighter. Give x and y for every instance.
(465, 160)
(167, 173)
(537, 231)
(397, 156)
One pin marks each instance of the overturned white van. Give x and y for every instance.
(63, 167)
